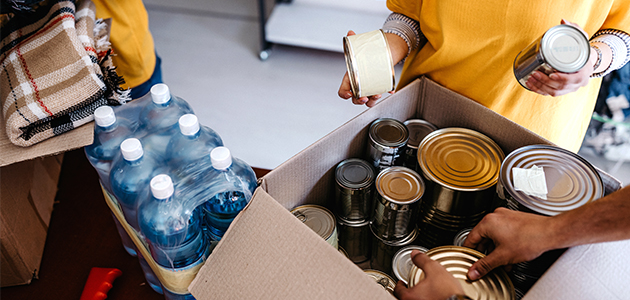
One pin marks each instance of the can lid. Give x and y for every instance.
(104, 116)
(388, 132)
(565, 48)
(461, 236)
(571, 180)
(457, 260)
(402, 263)
(316, 217)
(460, 159)
(418, 129)
(400, 185)
(354, 173)
(382, 279)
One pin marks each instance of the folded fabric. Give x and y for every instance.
(55, 71)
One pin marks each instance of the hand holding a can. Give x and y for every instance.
(438, 284)
(515, 236)
(559, 83)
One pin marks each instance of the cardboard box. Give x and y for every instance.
(27, 193)
(268, 254)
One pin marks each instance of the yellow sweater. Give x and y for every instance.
(472, 45)
(130, 37)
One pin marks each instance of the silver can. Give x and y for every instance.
(387, 139)
(383, 251)
(353, 193)
(382, 279)
(399, 189)
(320, 220)
(369, 63)
(356, 239)
(402, 263)
(562, 48)
(461, 237)
(418, 129)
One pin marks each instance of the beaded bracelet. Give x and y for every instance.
(599, 58)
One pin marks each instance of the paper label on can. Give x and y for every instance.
(530, 181)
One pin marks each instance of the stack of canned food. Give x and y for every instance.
(570, 182)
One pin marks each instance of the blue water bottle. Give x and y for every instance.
(172, 230)
(192, 143)
(232, 183)
(130, 178)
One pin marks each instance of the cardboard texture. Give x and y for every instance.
(27, 193)
(268, 254)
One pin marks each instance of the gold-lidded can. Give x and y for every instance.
(461, 168)
(496, 285)
(402, 263)
(418, 129)
(398, 191)
(382, 279)
(387, 139)
(320, 220)
(369, 63)
(562, 48)
(354, 179)
(570, 179)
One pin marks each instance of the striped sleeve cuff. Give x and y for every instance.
(408, 29)
(619, 43)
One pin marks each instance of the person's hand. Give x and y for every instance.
(438, 283)
(516, 237)
(558, 83)
(345, 91)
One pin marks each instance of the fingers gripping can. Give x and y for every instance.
(563, 48)
(369, 62)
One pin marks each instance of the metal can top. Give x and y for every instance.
(461, 236)
(571, 180)
(565, 48)
(318, 218)
(418, 129)
(382, 279)
(354, 173)
(400, 185)
(388, 132)
(402, 263)
(495, 285)
(460, 159)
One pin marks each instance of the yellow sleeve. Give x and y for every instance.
(408, 8)
(130, 38)
(619, 16)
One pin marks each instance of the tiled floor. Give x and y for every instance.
(265, 111)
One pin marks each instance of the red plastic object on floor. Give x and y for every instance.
(99, 282)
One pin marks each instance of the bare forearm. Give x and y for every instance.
(604, 220)
(397, 46)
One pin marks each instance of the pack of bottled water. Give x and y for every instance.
(173, 187)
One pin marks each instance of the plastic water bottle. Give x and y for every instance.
(159, 118)
(232, 183)
(130, 178)
(109, 132)
(172, 230)
(192, 143)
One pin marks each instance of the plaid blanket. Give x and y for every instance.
(55, 70)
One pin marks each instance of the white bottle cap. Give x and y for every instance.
(104, 116)
(160, 93)
(162, 186)
(131, 149)
(221, 158)
(188, 124)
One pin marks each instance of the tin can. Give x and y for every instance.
(461, 167)
(418, 129)
(383, 251)
(461, 236)
(402, 263)
(320, 220)
(369, 63)
(571, 180)
(562, 48)
(387, 139)
(457, 260)
(353, 193)
(382, 279)
(398, 191)
(355, 238)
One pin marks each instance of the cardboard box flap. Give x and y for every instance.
(269, 254)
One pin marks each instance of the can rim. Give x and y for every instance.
(403, 253)
(376, 139)
(329, 231)
(365, 183)
(424, 124)
(414, 174)
(564, 29)
(351, 65)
